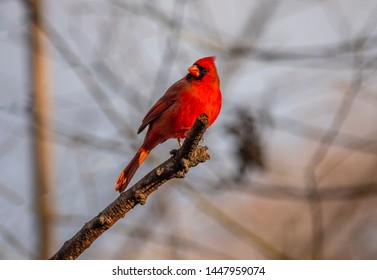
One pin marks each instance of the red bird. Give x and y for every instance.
(175, 112)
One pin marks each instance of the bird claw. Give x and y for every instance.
(173, 152)
(179, 142)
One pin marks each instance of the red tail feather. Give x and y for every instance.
(126, 175)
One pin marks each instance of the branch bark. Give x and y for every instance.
(177, 166)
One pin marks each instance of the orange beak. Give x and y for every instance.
(194, 70)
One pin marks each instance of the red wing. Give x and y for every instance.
(169, 98)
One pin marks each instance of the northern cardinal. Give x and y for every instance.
(175, 112)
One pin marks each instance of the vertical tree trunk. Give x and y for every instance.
(41, 130)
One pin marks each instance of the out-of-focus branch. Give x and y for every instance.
(291, 192)
(84, 73)
(321, 152)
(41, 129)
(177, 166)
(236, 228)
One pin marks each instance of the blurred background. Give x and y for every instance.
(293, 153)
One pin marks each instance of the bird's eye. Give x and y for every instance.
(205, 71)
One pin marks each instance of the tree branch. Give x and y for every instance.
(177, 166)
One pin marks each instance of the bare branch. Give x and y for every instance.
(177, 166)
